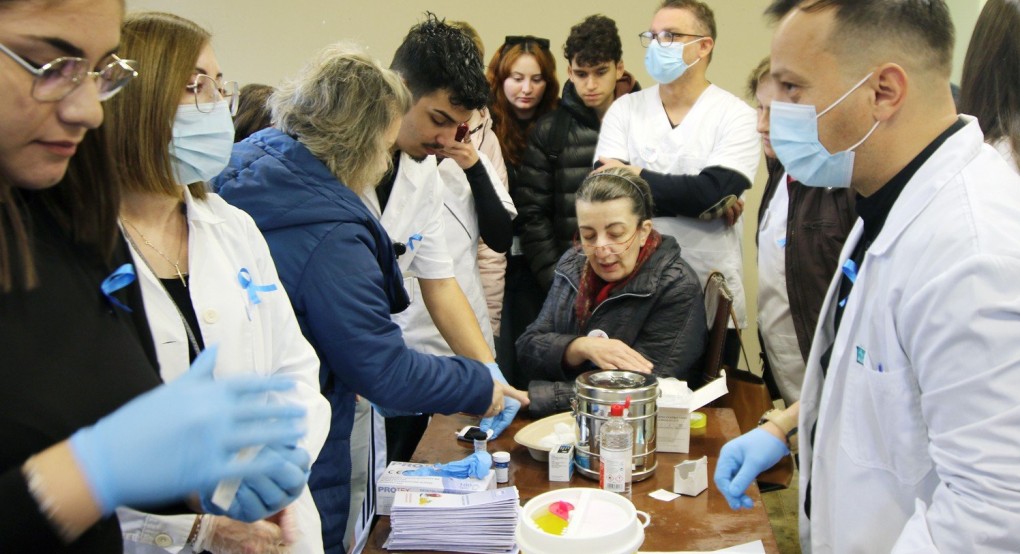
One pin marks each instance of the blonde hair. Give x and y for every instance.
(140, 119)
(339, 107)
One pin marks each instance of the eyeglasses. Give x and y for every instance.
(55, 80)
(664, 38)
(613, 248)
(542, 43)
(207, 92)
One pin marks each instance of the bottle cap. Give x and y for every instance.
(698, 420)
(616, 410)
(501, 457)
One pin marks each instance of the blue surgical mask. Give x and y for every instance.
(201, 143)
(666, 63)
(793, 130)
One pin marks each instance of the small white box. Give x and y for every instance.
(394, 480)
(691, 477)
(561, 463)
(673, 420)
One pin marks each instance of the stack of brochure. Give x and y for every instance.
(480, 522)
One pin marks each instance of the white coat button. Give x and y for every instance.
(210, 316)
(163, 540)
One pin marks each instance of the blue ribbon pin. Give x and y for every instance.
(120, 278)
(850, 272)
(244, 278)
(411, 239)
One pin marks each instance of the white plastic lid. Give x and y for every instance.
(501, 457)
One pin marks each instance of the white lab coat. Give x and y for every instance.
(719, 130)
(262, 338)
(1005, 149)
(461, 224)
(918, 420)
(415, 209)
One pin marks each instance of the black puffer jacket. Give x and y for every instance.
(546, 186)
(660, 313)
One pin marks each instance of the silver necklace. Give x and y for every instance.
(180, 247)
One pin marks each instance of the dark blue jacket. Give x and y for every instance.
(338, 266)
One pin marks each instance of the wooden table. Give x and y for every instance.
(703, 522)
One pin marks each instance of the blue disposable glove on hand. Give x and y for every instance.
(262, 495)
(181, 438)
(740, 462)
(476, 465)
(510, 406)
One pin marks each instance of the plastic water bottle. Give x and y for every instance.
(616, 453)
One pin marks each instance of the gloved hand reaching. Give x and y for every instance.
(511, 406)
(262, 495)
(740, 462)
(181, 438)
(476, 466)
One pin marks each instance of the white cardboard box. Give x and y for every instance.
(561, 463)
(393, 480)
(673, 421)
(691, 477)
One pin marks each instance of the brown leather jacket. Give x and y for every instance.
(819, 221)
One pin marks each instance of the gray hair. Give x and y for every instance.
(339, 107)
(614, 183)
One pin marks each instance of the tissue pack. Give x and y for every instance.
(673, 420)
(394, 480)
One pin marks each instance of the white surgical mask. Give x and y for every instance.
(793, 130)
(201, 143)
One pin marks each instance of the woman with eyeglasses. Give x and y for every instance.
(85, 425)
(522, 79)
(622, 298)
(205, 271)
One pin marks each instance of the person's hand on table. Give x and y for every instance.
(608, 353)
(740, 462)
(511, 399)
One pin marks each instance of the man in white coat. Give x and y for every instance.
(696, 144)
(909, 408)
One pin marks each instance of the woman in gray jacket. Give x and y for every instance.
(622, 298)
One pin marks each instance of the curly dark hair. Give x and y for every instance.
(437, 56)
(593, 41)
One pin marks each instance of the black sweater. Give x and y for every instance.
(67, 358)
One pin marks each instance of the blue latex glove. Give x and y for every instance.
(182, 437)
(740, 462)
(476, 465)
(510, 406)
(261, 496)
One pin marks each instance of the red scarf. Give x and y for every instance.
(592, 290)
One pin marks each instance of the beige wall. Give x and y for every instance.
(265, 41)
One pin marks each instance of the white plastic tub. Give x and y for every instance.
(601, 522)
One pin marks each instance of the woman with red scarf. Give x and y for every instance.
(622, 298)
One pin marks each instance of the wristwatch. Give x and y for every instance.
(787, 425)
